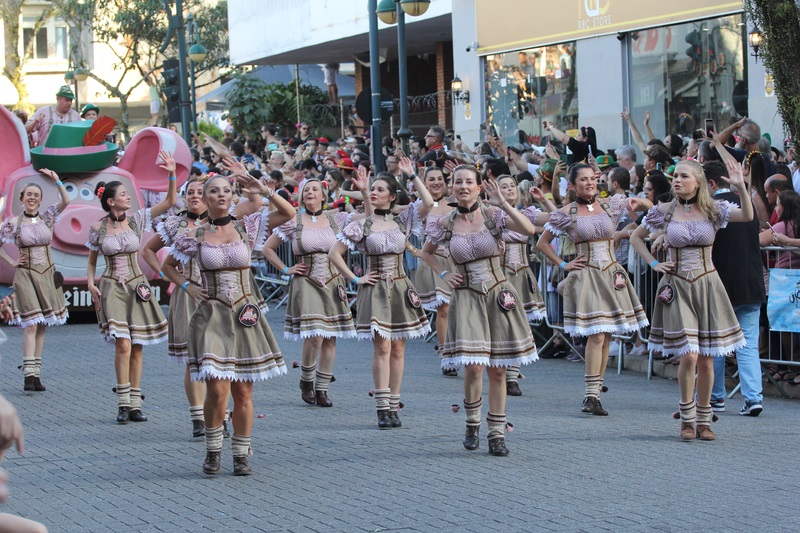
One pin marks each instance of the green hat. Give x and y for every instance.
(89, 107)
(605, 161)
(768, 137)
(63, 151)
(66, 92)
(547, 169)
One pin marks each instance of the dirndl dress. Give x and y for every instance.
(37, 300)
(229, 337)
(518, 271)
(692, 313)
(318, 304)
(181, 305)
(486, 324)
(433, 291)
(391, 308)
(127, 308)
(599, 298)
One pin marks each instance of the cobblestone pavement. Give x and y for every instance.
(332, 470)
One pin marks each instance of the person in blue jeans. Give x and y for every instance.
(737, 257)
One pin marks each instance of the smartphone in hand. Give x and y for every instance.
(710, 127)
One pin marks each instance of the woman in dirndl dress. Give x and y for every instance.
(39, 300)
(318, 311)
(388, 308)
(230, 342)
(434, 293)
(127, 314)
(487, 325)
(599, 300)
(515, 263)
(693, 317)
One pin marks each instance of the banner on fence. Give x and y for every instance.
(783, 306)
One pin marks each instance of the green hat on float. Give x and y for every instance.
(66, 92)
(63, 151)
(89, 107)
(605, 161)
(547, 169)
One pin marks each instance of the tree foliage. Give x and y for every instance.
(779, 20)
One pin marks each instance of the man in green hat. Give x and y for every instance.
(60, 113)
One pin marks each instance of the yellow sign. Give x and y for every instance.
(505, 25)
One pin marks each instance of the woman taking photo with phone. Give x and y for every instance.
(39, 300)
(127, 313)
(231, 345)
(487, 327)
(388, 308)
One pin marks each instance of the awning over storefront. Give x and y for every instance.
(309, 75)
(505, 25)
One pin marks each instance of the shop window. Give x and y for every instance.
(685, 73)
(525, 87)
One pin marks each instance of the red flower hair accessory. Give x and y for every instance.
(100, 191)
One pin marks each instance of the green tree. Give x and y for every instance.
(14, 63)
(779, 20)
(249, 104)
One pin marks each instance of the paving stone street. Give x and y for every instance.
(331, 469)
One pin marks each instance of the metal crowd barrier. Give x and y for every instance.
(271, 282)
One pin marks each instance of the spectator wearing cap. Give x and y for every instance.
(59, 113)
(90, 112)
(547, 171)
(655, 155)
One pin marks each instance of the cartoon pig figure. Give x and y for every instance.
(138, 169)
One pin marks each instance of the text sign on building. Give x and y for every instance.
(505, 25)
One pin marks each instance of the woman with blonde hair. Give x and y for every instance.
(693, 317)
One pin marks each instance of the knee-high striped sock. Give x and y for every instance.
(323, 380)
(394, 402)
(196, 412)
(593, 385)
(703, 415)
(382, 399)
(307, 372)
(213, 439)
(28, 366)
(136, 399)
(496, 424)
(124, 394)
(473, 410)
(512, 374)
(240, 445)
(688, 411)
(37, 371)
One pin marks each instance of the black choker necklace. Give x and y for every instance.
(117, 220)
(437, 200)
(468, 210)
(33, 217)
(195, 216)
(687, 204)
(314, 214)
(224, 221)
(385, 213)
(587, 203)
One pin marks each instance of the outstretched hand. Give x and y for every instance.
(169, 162)
(407, 166)
(492, 190)
(735, 173)
(361, 178)
(234, 166)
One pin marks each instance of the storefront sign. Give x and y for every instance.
(505, 25)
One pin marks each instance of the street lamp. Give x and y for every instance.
(391, 12)
(197, 53)
(756, 39)
(457, 93)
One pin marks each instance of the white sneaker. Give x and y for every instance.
(639, 350)
(613, 348)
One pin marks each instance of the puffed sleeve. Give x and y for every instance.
(531, 213)
(353, 235)
(410, 219)
(143, 219)
(51, 214)
(184, 248)
(654, 219)
(94, 239)
(8, 231)
(499, 217)
(559, 223)
(256, 225)
(341, 218)
(617, 207)
(434, 231)
(287, 230)
(723, 208)
(168, 229)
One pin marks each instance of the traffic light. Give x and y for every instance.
(172, 88)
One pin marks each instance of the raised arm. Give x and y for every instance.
(637, 137)
(172, 192)
(736, 178)
(647, 130)
(62, 191)
(516, 221)
(725, 134)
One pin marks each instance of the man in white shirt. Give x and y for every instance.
(60, 113)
